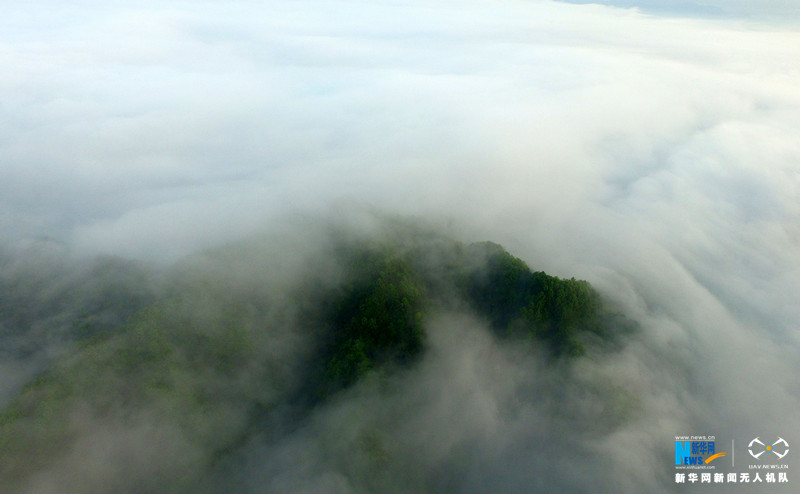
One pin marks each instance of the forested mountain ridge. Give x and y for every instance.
(210, 361)
(380, 316)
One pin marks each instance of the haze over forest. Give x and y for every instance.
(347, 246)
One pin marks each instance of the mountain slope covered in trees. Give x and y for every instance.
(228, 350)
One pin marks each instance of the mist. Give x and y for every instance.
(147, 151)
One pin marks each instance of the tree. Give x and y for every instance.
(377, 320)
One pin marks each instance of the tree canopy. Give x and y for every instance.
(218, 348)
(378, 319)
(516, 299)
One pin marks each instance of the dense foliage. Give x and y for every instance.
(199, 358)
(515, 299)
(378, 319)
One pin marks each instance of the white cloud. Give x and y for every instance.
(657, 157)
(768, 9)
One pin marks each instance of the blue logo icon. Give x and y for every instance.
(696, 452)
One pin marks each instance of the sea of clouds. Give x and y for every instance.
(654, 155)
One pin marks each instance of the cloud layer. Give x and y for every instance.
(656, 157)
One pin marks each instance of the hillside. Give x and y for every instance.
(235, 345)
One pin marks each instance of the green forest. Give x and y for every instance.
(214, 351)
(379, 317)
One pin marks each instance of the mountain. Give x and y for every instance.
(239, 345)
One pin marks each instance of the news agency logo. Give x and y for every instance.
(779, 448)
(699, 451)
(694, 455)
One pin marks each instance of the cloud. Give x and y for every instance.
(771, 9)
(654, 156)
